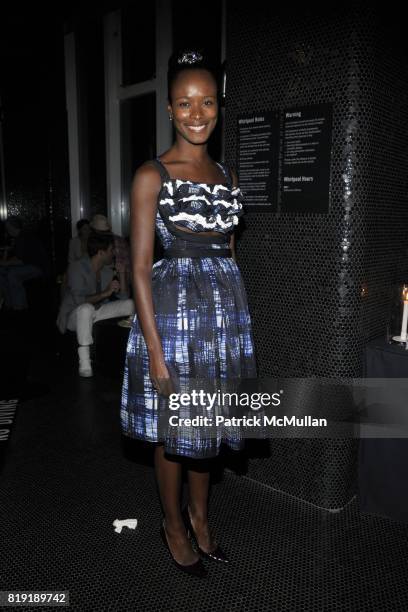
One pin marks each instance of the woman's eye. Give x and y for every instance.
(183, 104)
(208, 102)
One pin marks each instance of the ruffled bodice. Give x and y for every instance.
(200, 206)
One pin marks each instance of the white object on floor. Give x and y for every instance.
(131, 523)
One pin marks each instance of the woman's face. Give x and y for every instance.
(194, 105)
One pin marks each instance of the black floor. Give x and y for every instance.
(67, 476)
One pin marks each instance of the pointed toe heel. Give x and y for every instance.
(194, 569)
(216, 555)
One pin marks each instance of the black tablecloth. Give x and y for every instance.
(383, 360)
(383, 463)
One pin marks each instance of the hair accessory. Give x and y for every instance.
(190, 58)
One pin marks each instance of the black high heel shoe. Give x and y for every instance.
(194, 569)
(217, 554)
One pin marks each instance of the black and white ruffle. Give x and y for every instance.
(201, 206)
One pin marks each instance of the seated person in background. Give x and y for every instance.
(77, 245)
(24, 259)
(90, 286)
(100, 223)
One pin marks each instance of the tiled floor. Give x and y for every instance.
(67, 477)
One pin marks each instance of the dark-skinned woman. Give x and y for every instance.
(192, 329)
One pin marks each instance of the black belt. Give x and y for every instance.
(169, 253)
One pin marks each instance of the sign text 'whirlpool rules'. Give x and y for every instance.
(284, 159)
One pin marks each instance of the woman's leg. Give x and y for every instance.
(198, 503)
(168, 475)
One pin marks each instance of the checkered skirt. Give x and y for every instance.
(204, 324)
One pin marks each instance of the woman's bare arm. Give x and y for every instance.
(232, 241)
(143, 208)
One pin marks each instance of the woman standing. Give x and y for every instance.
(192, 317)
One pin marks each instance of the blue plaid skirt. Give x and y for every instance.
(202, 317)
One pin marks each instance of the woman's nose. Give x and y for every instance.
(196, 112)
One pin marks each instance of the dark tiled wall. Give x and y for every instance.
(320, 286)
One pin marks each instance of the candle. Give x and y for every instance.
(404, 316)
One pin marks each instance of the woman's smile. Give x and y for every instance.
(197, 128)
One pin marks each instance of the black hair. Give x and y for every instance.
(81, 223)
(190, 59)
(98, 242)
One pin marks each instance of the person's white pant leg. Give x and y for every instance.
(118, 308)
(81, 320)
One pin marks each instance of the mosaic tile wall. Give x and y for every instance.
(320, 285)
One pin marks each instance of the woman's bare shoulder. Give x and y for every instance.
(148, 176)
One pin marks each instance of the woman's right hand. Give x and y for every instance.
(146, 186)
(160, 377)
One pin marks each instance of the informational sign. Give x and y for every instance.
(305, 170)
(284, 159)
(7, 415)
(258, 158)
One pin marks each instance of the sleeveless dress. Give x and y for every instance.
(202, 317)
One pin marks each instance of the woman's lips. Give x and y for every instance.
(197, 128)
